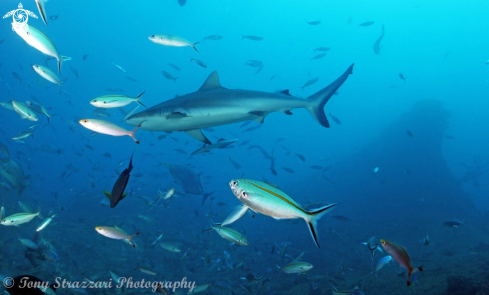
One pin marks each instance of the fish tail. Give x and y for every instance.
(61, 60)
(131, 134)
(175, 79)
(312, 218)
(205, 196)
(138, 98)
(320, 98)
(195, 48)
(38, 213)
(130, 239)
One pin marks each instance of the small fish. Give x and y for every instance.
(106, 127)
(24, 111)
(409, 133)
(322, 49)
(42, 10)
(115, 101)
(310, 82)
(401, 256)
(372, 244)
(314, 22)
(366, 24)
(335, 119)
(454, 223)
(54, 17)
(288, 170)
(349, 292)
(119, 67)
(46, 222)
(74, 71)
(23, 135)
(28, 243)
(212, 37)
(170, 247)
(316, 167)
(319, 56)
(402, 77)
(131, 79)
(341, 218)
(117, 194)
(115, 233)
(20, 218)
(146, 271)
(229, 234)
(168, 76)
(251, 37)
(171, 40)
(300, 157)
(199, 62)
(236, 214)
(48, 75)
(296, 267)
(376, 45)
(234, 163)
(16, 76)
(425, 241)
(174, 66)
(161, 137)
(85, 56)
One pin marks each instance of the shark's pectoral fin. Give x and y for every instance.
(176, 115)
(260, 116)
(197, 134)
(286, 92)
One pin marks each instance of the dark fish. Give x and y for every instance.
(120, 185)
(409, 133)
(322, 49)
(106, 155)
(335, 119)
(74, 71)
(131, 79)
(174, 66)
(182, 2)
(16, 76)
(252, 128)
(199, 62)
(168, 76)
(272, 166)
(316, 167)
(273, 77)
(366, 24)
(54, 17)
(180, 151)
(314, 22)
(288, 170)
(251, 37)
(341, 218)
(1, 41)
(300, 157)
(259, 70)
(163, 136)
(213, 37)
(85, 57)
(235, 164)
(310, 82)
(321, 55)
(402, 77)
(377, 46)
(188, 180)
(453, 223)
(89, 147)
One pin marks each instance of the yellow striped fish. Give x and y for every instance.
(271, 201)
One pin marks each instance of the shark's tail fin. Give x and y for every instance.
(320, 98)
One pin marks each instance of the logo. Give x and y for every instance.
(20, 17)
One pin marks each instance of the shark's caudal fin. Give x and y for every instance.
(61, 60)
(313, 217)
(320, 98)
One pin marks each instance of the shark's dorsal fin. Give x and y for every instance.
(212, 82)
(286, 92)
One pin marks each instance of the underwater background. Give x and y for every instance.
(402, 156)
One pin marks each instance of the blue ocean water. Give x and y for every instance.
(401, 157)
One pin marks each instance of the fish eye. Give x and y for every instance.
(85, 121)
(244, 194)
(235, 182)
